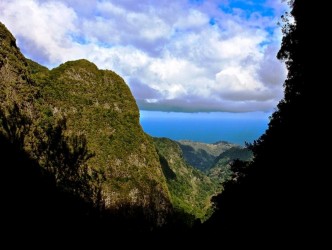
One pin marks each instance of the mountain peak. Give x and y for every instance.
(80, 63)
(99, 111)
(6, 36)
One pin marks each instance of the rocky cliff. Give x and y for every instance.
(78, 121)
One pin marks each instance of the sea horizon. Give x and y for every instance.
(237, 128)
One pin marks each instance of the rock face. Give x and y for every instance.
(15, 85)
(96, 105)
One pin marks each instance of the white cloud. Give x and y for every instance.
(193, 19)
(43, 29)
(174, 55)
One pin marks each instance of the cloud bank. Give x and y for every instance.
(188, 56)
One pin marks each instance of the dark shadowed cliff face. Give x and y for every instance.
(79, 122)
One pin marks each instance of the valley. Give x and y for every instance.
(79, 126)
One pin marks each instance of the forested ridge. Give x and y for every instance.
(56, 173)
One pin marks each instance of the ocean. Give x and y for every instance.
(206, 127)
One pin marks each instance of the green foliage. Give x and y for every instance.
(214, 159)
(14, 125)
(66, 158)
(98, 105)
(82, 125)
(222, 170)
(29, 126)
(243, 154)
(191, 190)
(202, 155)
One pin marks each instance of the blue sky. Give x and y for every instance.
(182, 56)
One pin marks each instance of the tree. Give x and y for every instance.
(269, 199)
(14, 124)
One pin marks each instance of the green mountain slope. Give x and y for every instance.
(203, 155)
(87, 120)
(98, 104)
(190, 189)
(17, 92)
(221, 169)
(214, 159)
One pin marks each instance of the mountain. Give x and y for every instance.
(16, 88)
(214, 158)
(202, 155)
(81, 124)
(71, 136)
(98, 104)
(191, 190)
(221, 169)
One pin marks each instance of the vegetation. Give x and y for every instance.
(273, 197)
(99, 105)
(222, 170)
(191, 190)
(72, 148)
(215, 159)
(80, 125)
(203, 155)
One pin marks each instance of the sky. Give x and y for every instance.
(176, 56)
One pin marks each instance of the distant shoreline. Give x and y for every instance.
(206, 128)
